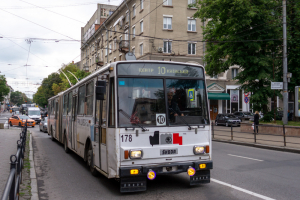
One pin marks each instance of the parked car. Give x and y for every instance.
(227, 120)
(20, 120)
(243, 115)
(43, 125)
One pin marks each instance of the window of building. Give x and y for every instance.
(167, 22)
(106, 51)
(127, 17)
(141, 4)
(133, 51)
(133, 11)
(142, 26)
(126, 35)
(109, 47)
(191, 25)
(89, 98)
(168, 2)
(167, 46)
(115, 43)
(110, 32)
(81, 97)
(191, 48)
(141, 49)
(191, 1)
(234, 72)
(214, 76)
(133, 32)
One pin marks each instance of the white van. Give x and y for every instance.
(35, 114)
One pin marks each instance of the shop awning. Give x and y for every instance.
(218, 96)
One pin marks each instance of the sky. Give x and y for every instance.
(37, 37)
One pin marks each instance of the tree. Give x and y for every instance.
(248, 34)
(4, 89)
(18, 98)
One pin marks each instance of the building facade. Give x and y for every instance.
(157, 30)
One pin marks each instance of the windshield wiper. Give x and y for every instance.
(132, 119)
(181, 118)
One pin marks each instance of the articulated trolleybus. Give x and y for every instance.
(135, 120)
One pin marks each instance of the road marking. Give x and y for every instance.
(245, 157)
(242, 190)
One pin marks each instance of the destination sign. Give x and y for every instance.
(159, 69)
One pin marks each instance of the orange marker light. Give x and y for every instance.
(202, 166)
(207, 149)
(134, 171)
(126, 154)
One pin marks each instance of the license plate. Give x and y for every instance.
(168, 151)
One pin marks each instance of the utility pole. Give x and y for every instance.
(285, 83)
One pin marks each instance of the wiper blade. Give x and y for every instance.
(133, 119)
(181, 118)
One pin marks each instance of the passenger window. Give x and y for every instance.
(81, 97)
(111, 103)
(90, 98)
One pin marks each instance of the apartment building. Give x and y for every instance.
(157, 30)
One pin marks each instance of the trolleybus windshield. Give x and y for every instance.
(161, 101)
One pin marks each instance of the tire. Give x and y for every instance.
(10, 123)
(67, 150)
(32, 126)
(20, 124)
(227, 124)
(51, 134)
(90, 161)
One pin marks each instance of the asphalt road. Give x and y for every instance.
(239, 173)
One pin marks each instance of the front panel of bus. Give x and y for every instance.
(163, 120)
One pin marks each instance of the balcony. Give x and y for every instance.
(124, 46)
(86, 68)
(99, 62)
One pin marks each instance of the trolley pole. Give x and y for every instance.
(285, 83)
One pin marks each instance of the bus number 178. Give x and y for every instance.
(126, 138)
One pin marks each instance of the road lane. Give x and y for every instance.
(65, 176)
(276, 177)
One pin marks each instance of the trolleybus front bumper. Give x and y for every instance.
(138, 181)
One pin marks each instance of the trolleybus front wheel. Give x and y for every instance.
(90, 161)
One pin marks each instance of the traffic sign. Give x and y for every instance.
(246, 94)
(246, 99)
(276, 85)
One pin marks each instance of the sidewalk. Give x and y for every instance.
(8, 147)
(263, 140)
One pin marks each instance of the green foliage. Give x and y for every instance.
(56, 83)
(18, 98)
(293, 36)
(4, 89)
(241, 32)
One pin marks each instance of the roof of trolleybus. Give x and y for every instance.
(114, 64)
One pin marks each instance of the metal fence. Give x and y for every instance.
(274, 135)
(12, 186)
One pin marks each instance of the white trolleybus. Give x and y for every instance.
(135, 120)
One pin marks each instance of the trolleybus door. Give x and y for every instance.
(74, 117)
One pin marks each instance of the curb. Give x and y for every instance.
(276, 148)
(34, 188)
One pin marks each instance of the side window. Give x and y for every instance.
(65, 104)
(81, 97)
(70, 102)
(111, 103)
(90, 97)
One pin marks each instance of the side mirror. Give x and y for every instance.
(100, 90)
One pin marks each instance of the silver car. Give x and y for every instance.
(43, 125)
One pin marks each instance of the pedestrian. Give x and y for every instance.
(256, 121)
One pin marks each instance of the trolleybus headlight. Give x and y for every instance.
(151, 175)
(202, 166)
(191, 171)
(199, 150)
(134, 154)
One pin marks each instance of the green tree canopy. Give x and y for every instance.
(56, 83)
(247, 34)
(18, 98)
(4, 89)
